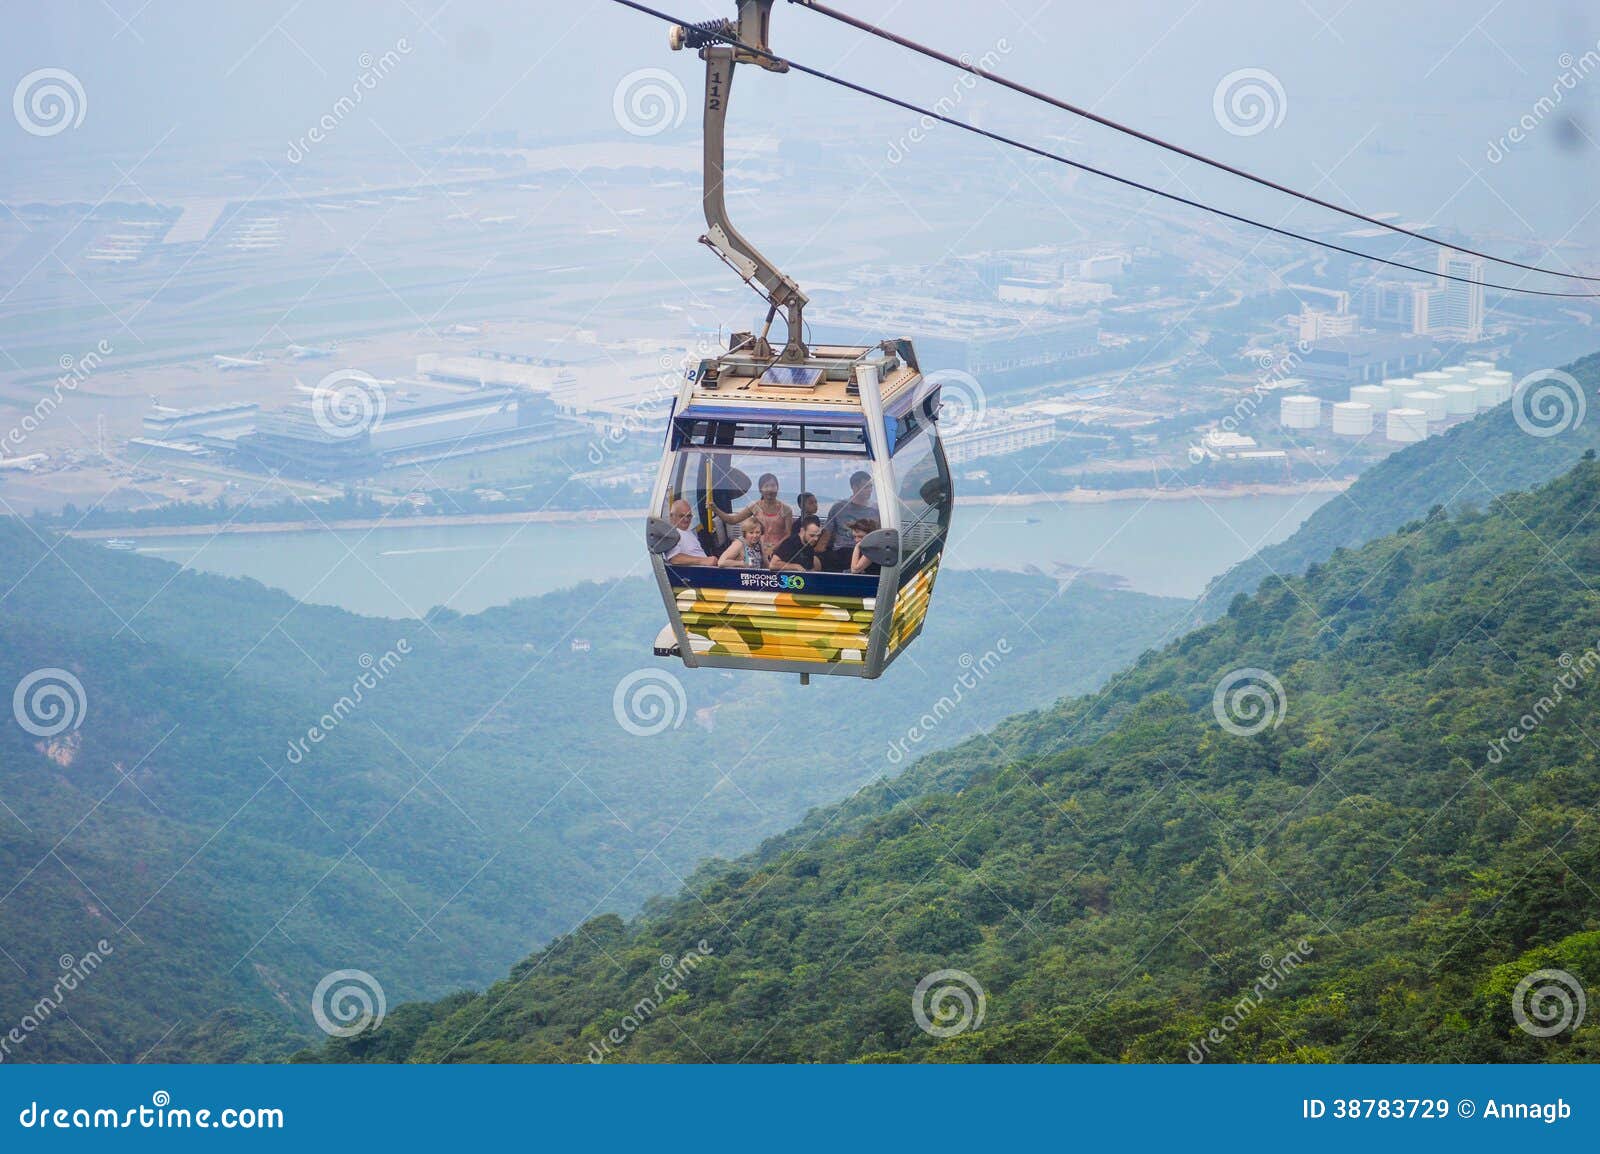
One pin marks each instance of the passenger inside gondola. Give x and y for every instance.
(799, 552)
(838, 542)
(719, 524)
(688, 551)
(775, 518)
(859, 561)
(749, 551)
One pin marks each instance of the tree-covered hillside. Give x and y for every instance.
(473, 797)
(1466, 466)
(1354, 859)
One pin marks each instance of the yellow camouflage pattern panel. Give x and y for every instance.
(911, 606)
(777, 626)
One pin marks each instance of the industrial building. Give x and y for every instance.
(489, 367)
(1394, 305)
(147, 451)
(1052, 293)
(292, 441)
(996, 439)
(1315, 325)
(163, 423)
(1363, 358)
(1001, 346)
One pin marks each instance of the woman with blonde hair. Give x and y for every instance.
(748, 551)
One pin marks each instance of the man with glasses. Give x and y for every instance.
(689, 551)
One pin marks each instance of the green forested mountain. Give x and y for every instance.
(1466, 466)
(475, 800)
(1126, 876)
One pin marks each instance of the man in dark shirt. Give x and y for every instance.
(799, 551)
(838, 542)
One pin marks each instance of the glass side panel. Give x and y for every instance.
(726, 489)
(922, 484)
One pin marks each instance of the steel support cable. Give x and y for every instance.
(1127, 182)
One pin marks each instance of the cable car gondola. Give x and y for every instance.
(856, 426)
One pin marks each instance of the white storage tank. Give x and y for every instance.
(1398, 388)
(1300, 412)
(1430, 402)
(1491, 391)
(1378, 397)
(1352, 418)
(1407, 426)
(1432, 380)
(1459, 374)
(1480, 367)
(1459, 399)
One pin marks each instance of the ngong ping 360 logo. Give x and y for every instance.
(788, 582)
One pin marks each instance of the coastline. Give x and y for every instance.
(559, 516)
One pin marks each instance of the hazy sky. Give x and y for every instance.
(1393, 106)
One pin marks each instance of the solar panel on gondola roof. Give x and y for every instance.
(792, 376)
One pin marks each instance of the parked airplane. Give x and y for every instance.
(308, 352)
(227, 363)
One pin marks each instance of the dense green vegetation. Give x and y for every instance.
(1123, 872)
(1464, 467)
(479, 799)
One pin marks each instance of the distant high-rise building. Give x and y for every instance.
(1395, 305)
(1314, 325)
(1458, 310)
